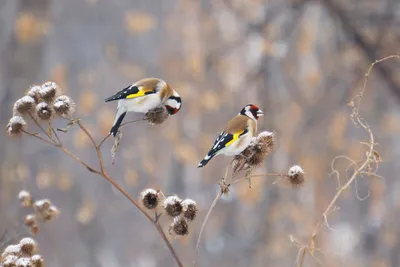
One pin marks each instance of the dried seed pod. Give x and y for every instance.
(44, 111)
(24, 105)
(25, 198)
(64, 106)
(189, 209)
(173, 206)
(16, 126)
(28, 246)
(48, 91)
(23, 262)
(180, 226)
(34, 92)
(37, 261)
(42, 204)
(11, 250)
(9, 261)
(150, 198)
(296, 176)
(30, 220)
(157, 115)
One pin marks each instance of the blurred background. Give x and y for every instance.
(301, 61)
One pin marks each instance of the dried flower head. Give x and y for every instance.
(28, 246)
(44, 111)
(150, 198)
(25, 198)
(24, 105)
(296, 176)
(42, 205)
(260, 147)
(50, 213)
(173, 206)
(189, 209)
(23, 262)
(37, 260)
(9, 261)
(11, 250)
(30, 220)
(157, 115)
(180, 226)
(48, 91)
(16, 126)
(34, 92)
(64, 106)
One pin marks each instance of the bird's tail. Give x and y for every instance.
(206, 159)
(118, 120)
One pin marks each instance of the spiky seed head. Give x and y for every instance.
(180, 226)
(11, 250)
(25, 198)
(24, 105)
(189, 209)
(150, 198)
(16, 126)
(34, 92)
(30, 220)
(42, 204)
(9, 261)
(28, 246)
(48, 91)
(50, 213)
(157, 115)
(23, 262)
(296, 176)
(44, 111)
(64, 106)
(37, 260)
(173, 206)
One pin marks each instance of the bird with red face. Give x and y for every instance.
(142, 96)
(237, 134)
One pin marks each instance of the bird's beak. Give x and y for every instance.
(260, 113)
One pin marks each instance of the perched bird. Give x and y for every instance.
(237, 135)
(143, 96)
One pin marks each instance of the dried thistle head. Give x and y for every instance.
(64, 106)
(37, 261)
(189, 209)
(50, 213)
(44, 111)
(9, 261)
(30, 220)
(173, 206)
(296, 176)
(42, 205)
(48, 91)
(24, 105)
(150, 198)
(260, 147)
(25, 198)
(23, 262)
(28, 246)
(34, 92)
(157, 115)
(16, 126)
(11, 250)
(179, 226)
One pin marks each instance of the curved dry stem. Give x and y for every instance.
(204, 225)
(123, 124)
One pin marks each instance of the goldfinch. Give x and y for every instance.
(143, 96)
(237, 135)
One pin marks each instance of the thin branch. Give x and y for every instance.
(123, 124)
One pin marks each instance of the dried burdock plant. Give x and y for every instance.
(21, 255)
(49, 104)
(179, 227)
(253, 156)
(34, 92)
(25, 198)
(157, 115)
(24, 105)
(48, 91)
(189, 209)
(296, 176)
(173, 206)
(64, 106)
(16, 126)
(44, 111)
(150, 198)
